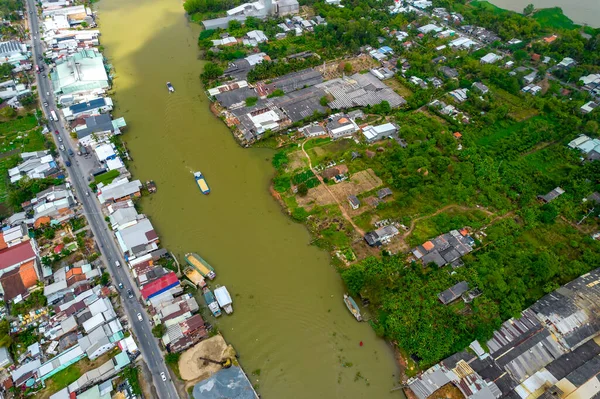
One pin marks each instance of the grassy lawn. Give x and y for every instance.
(553, 18)
(106, 177)
(452, 219)
(507, 130)
(549, 161)
(484, 5)
(518, 109)
(18, 125)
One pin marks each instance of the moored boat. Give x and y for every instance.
(198, 263)
(211, 302)
(224, 299)
(202, 184)
(352, 307)
(170, 87)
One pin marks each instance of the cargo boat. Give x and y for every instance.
(170, 87)
(202, 184)
(224, 299)
(352, 307)
(201, 265)
(211, 302)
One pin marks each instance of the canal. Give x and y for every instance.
(289, 321)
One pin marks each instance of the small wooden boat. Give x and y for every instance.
(352, 307)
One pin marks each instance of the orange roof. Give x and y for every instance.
(41, 221)
(343, 120)
(428, 245)
(550, 39)
(2, 242)
(28, 275)
(457, 135)
(464, 232)
(73, 271)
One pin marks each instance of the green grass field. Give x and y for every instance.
(485, 5)
(18, 125)
(553, 18)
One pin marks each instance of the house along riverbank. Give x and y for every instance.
(294, 334)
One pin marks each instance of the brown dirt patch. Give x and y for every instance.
(362, 181)
(398, 87)
(297, 160)
(331, 69)
(193, 369)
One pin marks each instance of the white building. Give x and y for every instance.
(375, 133)
(490, 58)
(341, 126)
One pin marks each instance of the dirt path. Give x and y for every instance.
(344, 213)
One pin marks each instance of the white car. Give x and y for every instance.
(140, 318)
(62, 147)
(163, 376)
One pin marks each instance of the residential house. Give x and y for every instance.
(552, 195)
(340, 125)
(449, 72)
(13, 52)
(490, 58)
(429, 28)
(35, 165)
(483, 89)
(453, 293)
(418, 81)
(120, 189)
(375, 133)
(11, 89)
(88, 108)
(254, 38)
(381, 235)
(97, 128)
(5, 359)
(185, 333)
(384, 192)
(138, 239)
(18, 268)
(566, 63)
(531, 89)
(353, 201)
(588, 107)
(166, 283)
(82, 72)
(530, 78)
(313, 130)
(459, 95)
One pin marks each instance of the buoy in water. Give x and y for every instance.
(361, 343)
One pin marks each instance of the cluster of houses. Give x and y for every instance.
(302, 98)
(447, 248)
(589, 147)
(551, 351)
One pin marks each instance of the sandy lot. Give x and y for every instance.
(193, 368)
(360, 182)
(297, 160)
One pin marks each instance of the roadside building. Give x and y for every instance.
(5, 359)
(88, 108)
(13, 52)
(313, 130)
(82, 72)
(375, 133)
(138, 239)
(97, 128)
(589, 107)
(445, 249)
(119, 190)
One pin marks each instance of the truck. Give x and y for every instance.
(53, 115)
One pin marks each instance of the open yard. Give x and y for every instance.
(518, 109)
(360, 182)
(398, 87)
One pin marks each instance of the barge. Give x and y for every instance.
(202, 184)
(201, 265)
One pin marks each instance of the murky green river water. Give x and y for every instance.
(289, 321)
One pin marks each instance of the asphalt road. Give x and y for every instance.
(148, 345)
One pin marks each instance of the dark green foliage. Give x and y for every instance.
(276, 93)
(211, 71)
(251, 101)
(34, 301)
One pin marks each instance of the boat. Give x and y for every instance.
(211, 302)
(202, 184)
(224, 299)
(170, 87)
(352, 307)
(201, 265)
(151, 186)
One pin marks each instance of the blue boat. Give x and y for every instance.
(211, 302)
(202, 184)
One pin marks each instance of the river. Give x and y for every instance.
(289, 321)
(579, 11)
